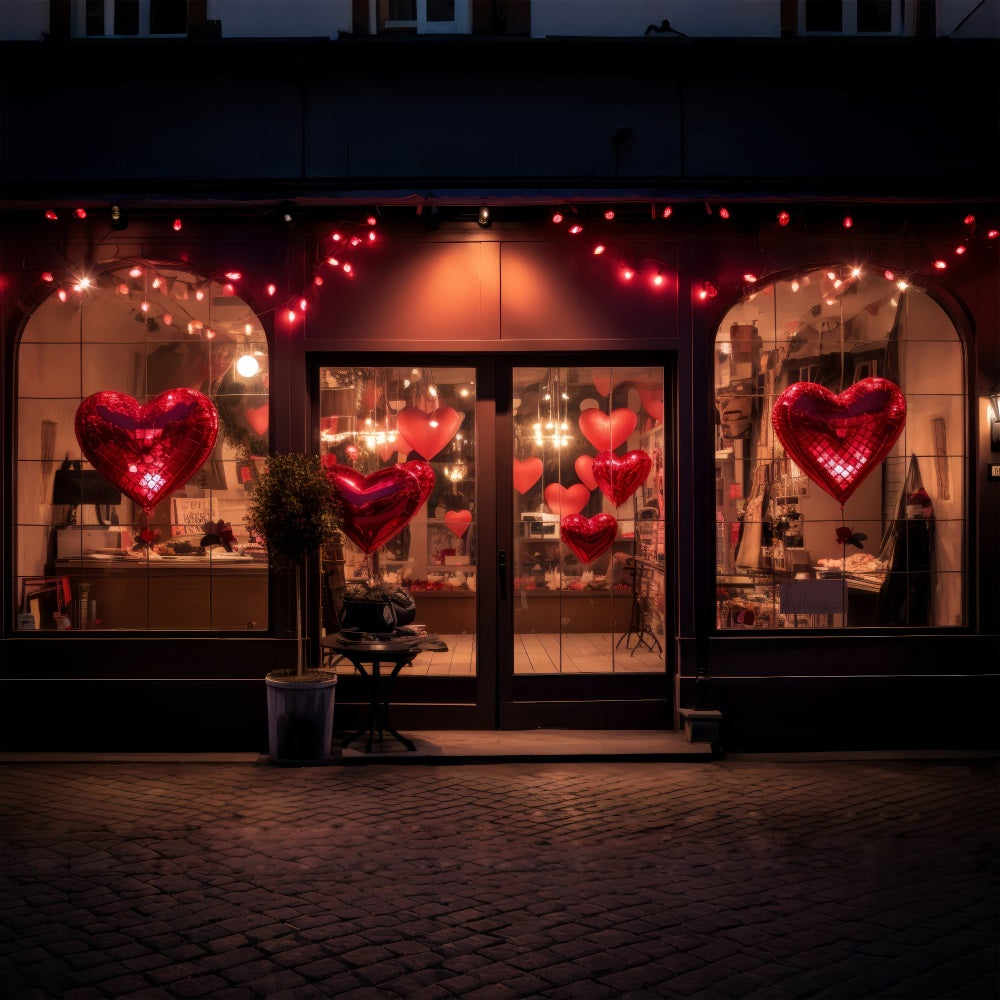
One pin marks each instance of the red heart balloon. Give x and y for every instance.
(458, 521)
(563, 501)
(838, 440)
(607, 432)
(258, 418)
(619, 476)
(428, 433)
(652, 402)
(387, 449)
(588, 537)
(584, 466)
(379, 506)
(148, 451)
(526, 474)
(601, 380)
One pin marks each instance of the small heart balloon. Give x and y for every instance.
(148, 451)
(458, 521)
(607, 432)
(588, 537)
(428, 433)
(258, 418)
(563, 501)
(837, 440)
(652, 402)
(602, 380)
(584, 466)
(619, 476)
(526, 474)
(387, 450)
(379, 506)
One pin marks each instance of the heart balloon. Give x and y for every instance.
(588, 537)
(619, 476)
(379, 506)
(386, 450)
(563, 501)
(428, 433)
(148, 451)
(258, 418)
(601, 380)
(458, 521)
(607, 432)
(526, 474)
(652, 402)
(838, 440)
(584, 466)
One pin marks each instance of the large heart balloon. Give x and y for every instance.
(458, 521)
(619, 476)
(563, 501)
(526, 474)
(607, 432)
(148, 451)
(428, 433)
(838, 440)
(379, 506)
(588, 537)
(584, 466)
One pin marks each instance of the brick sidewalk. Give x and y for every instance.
(701, 880)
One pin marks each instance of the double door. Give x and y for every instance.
(540, 558)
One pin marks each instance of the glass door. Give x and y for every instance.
(518, 512)
(588, 614)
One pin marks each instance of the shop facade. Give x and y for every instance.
(619, 532)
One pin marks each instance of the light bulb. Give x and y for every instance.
(247, 366)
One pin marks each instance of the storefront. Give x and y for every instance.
(637, 512)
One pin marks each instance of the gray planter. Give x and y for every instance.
(300, 717)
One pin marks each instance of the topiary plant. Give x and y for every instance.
(294, 512)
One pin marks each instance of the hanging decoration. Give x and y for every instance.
(838, 440)
(607, 431)
(619, 476)
(526, 473)
(588, 537)
(563, 501)
(377, 507)
(652, 402)
(584, 466)
(428, 433)
(147, 451)
(458, 521)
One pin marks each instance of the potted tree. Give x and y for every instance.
(294, 511)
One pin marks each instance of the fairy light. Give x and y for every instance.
(848, 222)
(557, 217)
(271, 289)
(723, 212)
(80, 213)
(576, 228)
(609, 215)
(50, 215)
(135, 272)
(599, 249)
(47, 276)
(667, 212)
(178, 225)
(784, 218)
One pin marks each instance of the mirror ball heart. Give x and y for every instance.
(563, 501)
(147, 451)
(589, 537)
(606, 432)
(619, 476)
(379, 506)
(458, 521)
(428, 433)
(837, 440)
(526, 474)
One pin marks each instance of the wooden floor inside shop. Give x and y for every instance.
(545, 653)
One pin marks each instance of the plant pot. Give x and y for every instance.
(300, 717)
(374, 617)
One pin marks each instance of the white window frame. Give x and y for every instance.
(903, 14)
(460, 25)
(78, 22)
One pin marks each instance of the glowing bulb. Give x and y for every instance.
(178, 225)
(371, 220)
(336, 237)
(47, 276)
(291, 315)
(784, 218)
(247, 366)
(432, 423)
(940, 264)
(889, 275)
(136, 272)
(233, 275)
(318, 280)
(556, 218)
(599, 249)
(62, 294)
(333, 262)
(667, 212)
(303, 304)
(167, 319)
(576, 228)
(348, 269)
(723, 212)
(145, 306)
(795, 285)
(749, 278)
(902, 285)
(959, 250)
(848, 222)
(371, 237)
(80, 213)
(271, 289)
(199, 295)
(609, 215)
(969, 220)
(50, 215)
(658, 279)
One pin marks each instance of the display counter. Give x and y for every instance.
(195, 592)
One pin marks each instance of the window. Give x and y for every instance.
(850, 17)
(140, 329)
(130, 18)
(792, 551)
(422, 17)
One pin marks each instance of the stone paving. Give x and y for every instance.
(725, 879)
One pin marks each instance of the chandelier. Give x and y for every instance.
(552, 424)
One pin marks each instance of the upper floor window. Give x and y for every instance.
(421, 17)
(851, 17)
(130, 18)
(832, 509)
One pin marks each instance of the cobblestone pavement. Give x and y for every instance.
(748, 879)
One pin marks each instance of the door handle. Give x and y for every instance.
(502, 571)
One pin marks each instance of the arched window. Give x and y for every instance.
(828, 519)
(89, 557)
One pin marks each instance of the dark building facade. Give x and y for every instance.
(579, 278)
